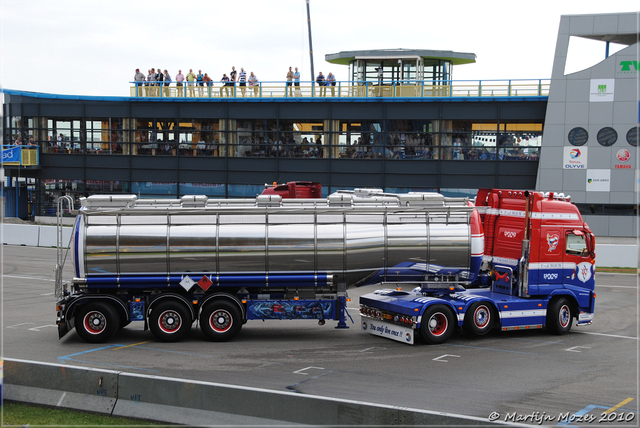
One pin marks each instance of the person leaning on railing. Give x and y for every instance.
(167, 82)
(331, 81)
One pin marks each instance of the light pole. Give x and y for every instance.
(310, 45)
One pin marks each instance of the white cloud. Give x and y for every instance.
(92, 47)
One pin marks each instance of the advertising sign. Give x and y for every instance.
(623, 156)
(601, 90)
(575, 158)
(598, 180)
(11, 156)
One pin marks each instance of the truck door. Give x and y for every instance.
(550, 262)
(579, 254)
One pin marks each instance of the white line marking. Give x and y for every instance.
(42, 326)
(573, 349)
(61, 398)
(445, 355)
(22, 323)
(28, 277)
(369, 349)
(608, 335)
(307, 368)
(616, 286)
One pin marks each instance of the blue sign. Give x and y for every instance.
(11, 155)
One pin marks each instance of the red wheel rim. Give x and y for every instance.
(438, 324)
(564, 316)
(220, 321)
(94, 322)
(481, 316)
(169, 321)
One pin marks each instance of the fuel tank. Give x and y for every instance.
(357, 237)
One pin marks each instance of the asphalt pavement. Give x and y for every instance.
(590, 374)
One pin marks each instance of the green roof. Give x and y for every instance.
(346, 57)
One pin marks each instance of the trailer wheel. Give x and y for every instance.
(169, 321)
(479, 319)
(559, 316)
(220, 320)
(96, 322)
(438, 323)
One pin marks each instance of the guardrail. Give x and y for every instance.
(345, 89)
(188, 402)
(20, 155)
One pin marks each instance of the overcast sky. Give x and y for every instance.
(92, 47)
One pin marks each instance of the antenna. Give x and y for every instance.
(313, 74)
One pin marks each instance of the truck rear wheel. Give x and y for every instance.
(169, 321)
(96, 322)
(479, 319)
(220, 320)
(559, 316)
(438, 323)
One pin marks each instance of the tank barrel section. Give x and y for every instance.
(360, 240)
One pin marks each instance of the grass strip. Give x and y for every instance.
(20, 414)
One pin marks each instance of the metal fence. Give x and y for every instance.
(345, 89)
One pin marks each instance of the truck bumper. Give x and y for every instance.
(388, 330)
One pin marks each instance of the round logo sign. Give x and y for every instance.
(575, 154)
(623, 155)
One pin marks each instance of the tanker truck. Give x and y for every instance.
(222, 262)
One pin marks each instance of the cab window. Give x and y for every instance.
(576, 244)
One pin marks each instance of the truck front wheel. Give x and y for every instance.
(220, 320)
(559, 316)
(438, 323)
(169, 321)
(479, 319)
(96, 322)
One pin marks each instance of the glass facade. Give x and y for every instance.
(285, 138)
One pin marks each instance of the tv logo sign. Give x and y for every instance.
(575, 158)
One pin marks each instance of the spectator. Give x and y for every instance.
(167, 82)
(200, 80)
(289, 83)
(242, 78)
(322, 88)
(296, 82)
(191, 79)
(151, 78)
(253, 82)
(209, 82)
(233, 76)
(138, 78)
(159, 79)
(179, 84)
(331, 81)
(225, 84)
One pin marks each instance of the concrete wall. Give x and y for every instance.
(189, 402)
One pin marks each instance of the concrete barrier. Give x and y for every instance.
(610, 255)
(616, 255)
(33, 235)
(190, 402)
(61, 386)
(21, 234)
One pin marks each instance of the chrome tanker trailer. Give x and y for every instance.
(169, 263)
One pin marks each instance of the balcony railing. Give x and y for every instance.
(20, 155)
(346, 89)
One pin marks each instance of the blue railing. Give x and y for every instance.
(346, 89)
(20, 155)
